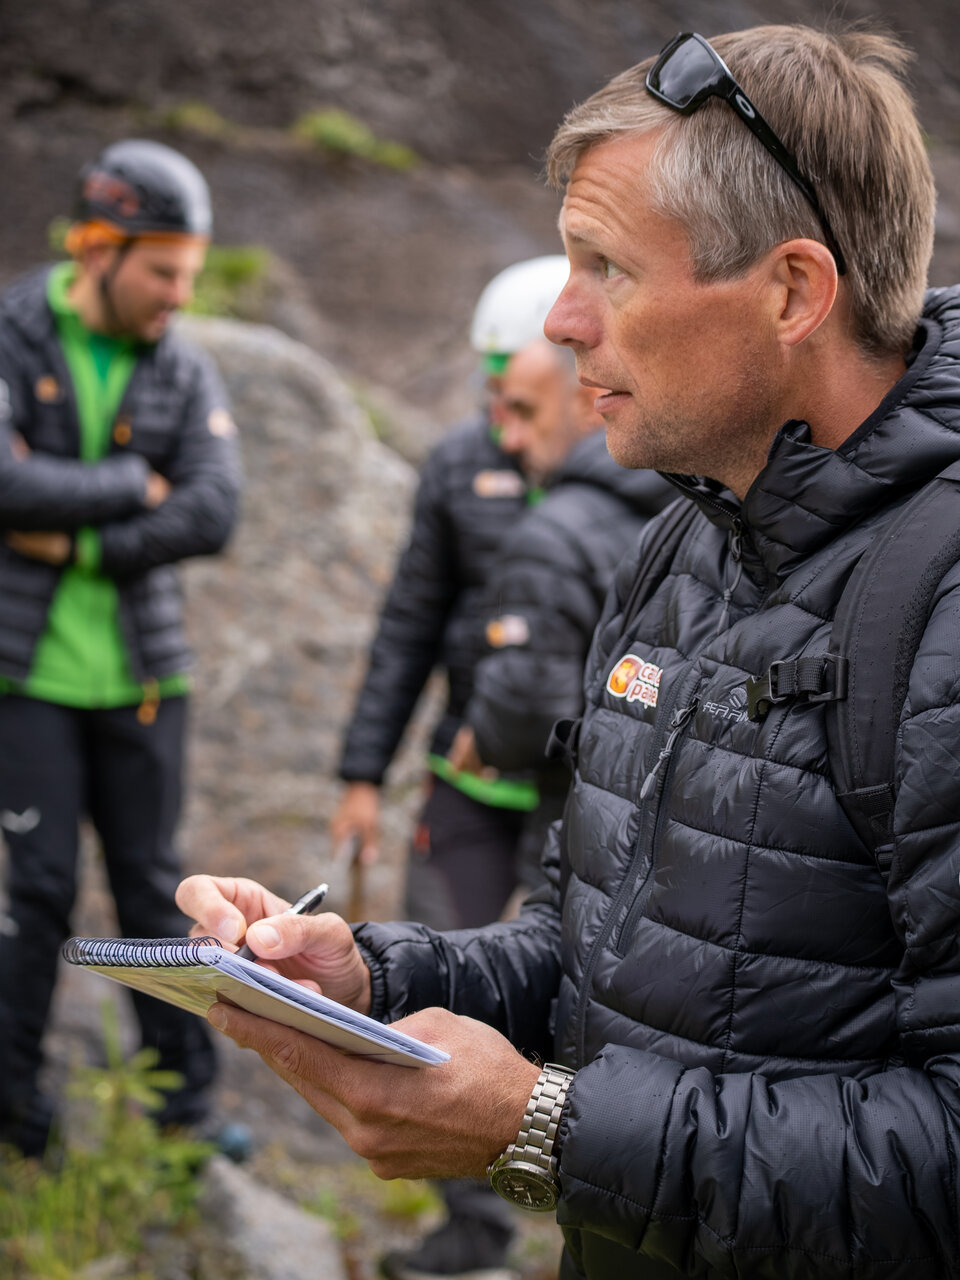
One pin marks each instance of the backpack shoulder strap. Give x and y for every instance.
(664, 543)
(663, 546)
(878, 626)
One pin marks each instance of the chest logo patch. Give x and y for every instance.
(636, 680)
(498, 484)
(220, 423)
(47, 389)
(508, 629)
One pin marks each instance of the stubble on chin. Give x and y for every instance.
(642, 445)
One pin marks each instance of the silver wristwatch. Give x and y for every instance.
(526, 1173)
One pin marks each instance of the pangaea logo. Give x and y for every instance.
(508, 629)
(636, 680)
(499, 484)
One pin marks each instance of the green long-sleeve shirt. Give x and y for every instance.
(81, 659)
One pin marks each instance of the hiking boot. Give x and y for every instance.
(461, 1248)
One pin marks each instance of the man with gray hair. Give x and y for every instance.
(754, 1017)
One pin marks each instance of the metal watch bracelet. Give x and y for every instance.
(531, 1152)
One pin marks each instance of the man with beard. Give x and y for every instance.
(118, 458)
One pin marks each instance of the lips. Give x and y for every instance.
(607, 401)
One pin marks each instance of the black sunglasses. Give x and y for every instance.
(688, 71)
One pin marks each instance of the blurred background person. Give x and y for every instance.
(548, 584)
(118, 458)
(471, 494)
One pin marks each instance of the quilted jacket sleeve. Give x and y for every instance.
(825, 1175)
(409, 634)
(503, 974)
(547, 596)
(41, 491)
(204, 473)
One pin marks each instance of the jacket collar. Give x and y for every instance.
(25, 306)
(806, 494)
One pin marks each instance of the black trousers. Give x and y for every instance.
(464, 860)
(57, 766)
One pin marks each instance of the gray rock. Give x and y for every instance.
(270, 1237)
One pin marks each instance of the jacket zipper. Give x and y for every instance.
(669, 736)
(678, 724)
(679, 721)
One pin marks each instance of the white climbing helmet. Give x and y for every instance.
(512, 308)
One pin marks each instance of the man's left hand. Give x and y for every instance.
(465, 757)
(408, 1122)
(53, 547)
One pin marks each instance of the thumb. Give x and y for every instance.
(280, 936)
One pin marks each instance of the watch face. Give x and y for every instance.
(526, 1186)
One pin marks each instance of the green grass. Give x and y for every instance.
(197, 118)
(120, 1178)
(57, 230)
(354, 1195)
(342, 134)
(231, 282)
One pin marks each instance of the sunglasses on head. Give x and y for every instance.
(688, 71)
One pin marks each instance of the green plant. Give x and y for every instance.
(196, 117)
(127, 1176)
(231, 281)
(57, 230)
(326, 1204)
(341, 133)
(376, 415)
(406, 1199)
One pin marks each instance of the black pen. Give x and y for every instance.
(306, 905)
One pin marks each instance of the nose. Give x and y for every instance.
(513, 432)
(570, 322)
(181, 291)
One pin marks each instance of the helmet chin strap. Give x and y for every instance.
(106, 285)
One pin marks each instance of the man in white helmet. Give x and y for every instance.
(465, 853)
(471, 493)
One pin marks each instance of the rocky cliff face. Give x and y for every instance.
(281, 623)
(381, 269)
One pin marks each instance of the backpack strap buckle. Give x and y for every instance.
(819, 677)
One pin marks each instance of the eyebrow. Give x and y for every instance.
(571, 237)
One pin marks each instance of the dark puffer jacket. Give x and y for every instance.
(544, 598)
(470, 494)
(768, 1043)
(174, 420)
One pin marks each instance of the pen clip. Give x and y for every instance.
(308, 903)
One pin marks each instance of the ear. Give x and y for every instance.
(97, 258)
(803, 276)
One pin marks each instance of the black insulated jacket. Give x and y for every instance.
(545, 595)
(175, 420)
(767, 1038)
(470, 494)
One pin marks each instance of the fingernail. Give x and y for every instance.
(217, 1016)
(267, 937)
(229, 929)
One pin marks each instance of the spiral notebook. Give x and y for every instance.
(195, 973)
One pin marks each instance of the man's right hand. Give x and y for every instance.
(358, 817)
(316, 950)
(158, 490)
